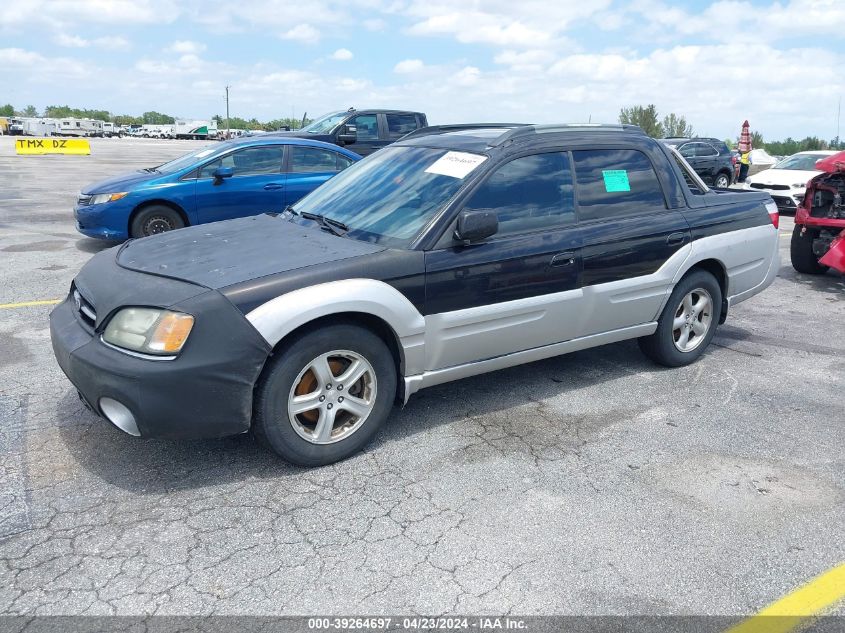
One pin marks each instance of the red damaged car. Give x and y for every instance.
(818, 241)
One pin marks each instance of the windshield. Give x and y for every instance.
(804, 162)
(390, 196)
(189, 159)
(325, 123)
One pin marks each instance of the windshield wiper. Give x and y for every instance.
(333, 226)
(150, 170)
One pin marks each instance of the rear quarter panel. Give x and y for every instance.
(734, 229)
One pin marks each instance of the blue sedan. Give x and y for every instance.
(227, 180)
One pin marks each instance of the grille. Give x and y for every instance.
(83, 200)
(85, 309)
(760, 185)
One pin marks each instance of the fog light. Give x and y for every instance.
(120, 416)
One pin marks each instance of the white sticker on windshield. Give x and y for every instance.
(455, 164)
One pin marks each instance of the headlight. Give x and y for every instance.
(149, 330)
(100, 198)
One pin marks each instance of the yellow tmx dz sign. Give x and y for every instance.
(52, 146)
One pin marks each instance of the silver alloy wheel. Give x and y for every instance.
(332, 397)
(722, 182)
(692, 320)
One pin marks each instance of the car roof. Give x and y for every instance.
(482, 137)
(677, 140)
(270, 139)
(826, 152)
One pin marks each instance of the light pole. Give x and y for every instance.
(227, 111)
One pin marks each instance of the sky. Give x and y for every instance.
(777, 64)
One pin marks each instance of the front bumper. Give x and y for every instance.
(787, 200)
(787, 203)
(108, 221)
(206, 392)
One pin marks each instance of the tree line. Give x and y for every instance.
(147, 118)
(646, 117)
(676, 125)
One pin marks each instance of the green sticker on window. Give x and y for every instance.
(615, 180)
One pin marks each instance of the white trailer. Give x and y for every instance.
(80, 127)
(40, 127)
(195, 129)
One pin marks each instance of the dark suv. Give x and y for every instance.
(709, 157)
(362, 131)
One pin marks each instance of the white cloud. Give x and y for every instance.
(186, 47)
(112, 42)
(19, 58)
(71, 41)
(304, 33)
(408, 66)
(108, 42)
(65, 13)
(789, 19)
(342, 55)
(17, 65)
(530, 59)
(529, 23)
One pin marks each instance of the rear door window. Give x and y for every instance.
(398, 125)
(313, 159)
(616, 183)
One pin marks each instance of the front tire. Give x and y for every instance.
(155, 219)
(325, 395)
(687, 323)
(804, 260)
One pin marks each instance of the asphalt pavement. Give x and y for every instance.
(593, 483)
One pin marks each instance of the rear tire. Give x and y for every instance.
(804, 260)
(687, 323)
(722, 181)
(303, 410)
(155, 219)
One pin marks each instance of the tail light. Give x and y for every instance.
(774, 215)
(733, 160)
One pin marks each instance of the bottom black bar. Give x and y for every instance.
(379, 624)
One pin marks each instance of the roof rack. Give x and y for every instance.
(529, 130)
(457, 127)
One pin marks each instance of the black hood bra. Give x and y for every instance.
(225, 253)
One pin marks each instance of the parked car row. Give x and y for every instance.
(455, 251)
(709, 157)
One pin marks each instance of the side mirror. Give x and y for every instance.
(348, 134)
(223, 172)
(474, 226)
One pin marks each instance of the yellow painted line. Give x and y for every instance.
(27, 304)
(796, 609)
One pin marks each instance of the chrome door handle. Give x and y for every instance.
(563, 259)
(273, 186)
(676, 238)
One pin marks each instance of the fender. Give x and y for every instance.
(280, 316)
(835, 256)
